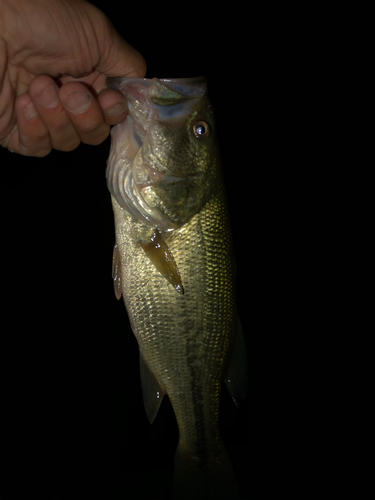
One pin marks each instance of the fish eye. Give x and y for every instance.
(201, 129)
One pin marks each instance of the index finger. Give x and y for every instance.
(112, 102)
(114, 106)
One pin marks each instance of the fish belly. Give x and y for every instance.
(184, 339)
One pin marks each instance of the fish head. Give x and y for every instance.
(164, 160)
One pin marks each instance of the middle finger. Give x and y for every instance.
(84, 112)
(44, 93)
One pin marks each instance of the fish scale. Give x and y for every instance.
(186, 326)
(205, 275)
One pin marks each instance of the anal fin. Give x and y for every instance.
(236, 374)
(158, 252)
(116, 272)
(152, 391)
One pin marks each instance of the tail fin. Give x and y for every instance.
(209, 478)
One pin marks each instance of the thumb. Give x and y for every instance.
(118, 57)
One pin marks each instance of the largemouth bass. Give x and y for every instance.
(173, 264)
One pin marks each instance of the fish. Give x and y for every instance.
(173, 264)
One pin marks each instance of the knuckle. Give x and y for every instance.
(43, 152)
(39, 146)
(69, 146)
(35, 151)
(96, 137)
(67, 143)
(91, 126)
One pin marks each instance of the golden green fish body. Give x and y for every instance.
(184, 339)
(185, 322)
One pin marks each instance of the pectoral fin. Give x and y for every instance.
(236, 375)
(158, 252)
(116, 272)
(152, 391)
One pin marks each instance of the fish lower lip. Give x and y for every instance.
(166, 179)
(156, 177)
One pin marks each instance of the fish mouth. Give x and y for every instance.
(131, 180)
(144, 171)
(166, 99)
(130, 176)
(186, 86)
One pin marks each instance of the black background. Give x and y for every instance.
(73, 421)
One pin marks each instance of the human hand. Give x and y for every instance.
(55, 56)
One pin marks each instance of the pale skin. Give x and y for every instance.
(55, 56)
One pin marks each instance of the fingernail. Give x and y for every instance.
(49, 97)
(29, 111)
(78, 102)
(116, 109)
